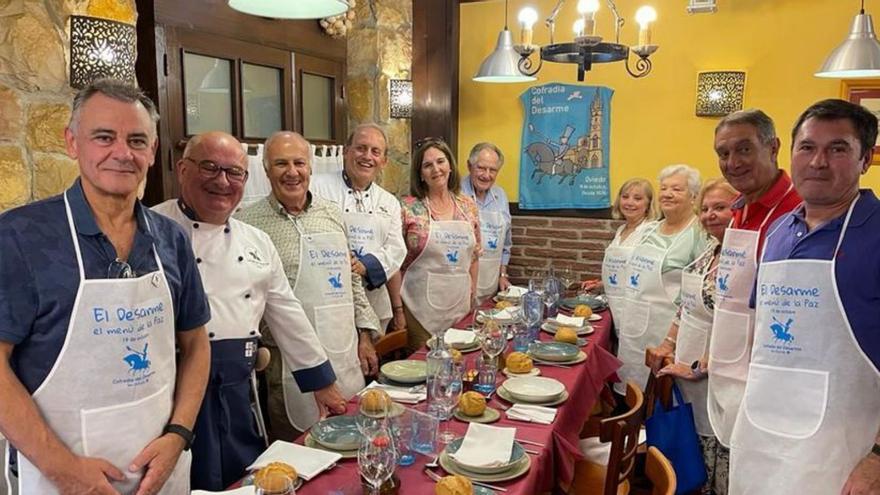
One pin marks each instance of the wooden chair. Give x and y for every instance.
(390, 345)
(623, 433)
(659, 471)
(658, 388)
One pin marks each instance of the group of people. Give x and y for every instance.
(756, 292)
(131, 335)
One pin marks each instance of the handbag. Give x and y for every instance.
(673, 432)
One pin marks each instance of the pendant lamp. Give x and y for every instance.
(291, 9)
(859, 55)
(502, 65)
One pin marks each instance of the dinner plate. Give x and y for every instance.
(504, 394)
(580, 358)
(551, 329)
(489, 416)
(553, 351)
(396, 410)
(485, 314)
(516, 470)
(473, 346)
(309, 441)
(516, 455)
(337, 433)
(594, 303)
(533, 372)
(405, 371)
(534, 388)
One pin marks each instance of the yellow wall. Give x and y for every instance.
(779, 43)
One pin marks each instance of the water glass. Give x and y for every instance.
(377, 459)
(402, 428)
(521, 338)
(424, 432)
(486, 374)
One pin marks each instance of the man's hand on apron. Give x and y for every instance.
(87, 475)
(367, 354)
(330, 399)
(159, 458)
(865, 478)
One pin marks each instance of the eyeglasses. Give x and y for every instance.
(428, 141)
(119, 269)
(210, 170)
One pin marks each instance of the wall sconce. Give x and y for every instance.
(100, 48)
(720, 92)
(400, 98)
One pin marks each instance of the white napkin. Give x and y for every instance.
(245, 490)
(532, 414)
(485, 446)
(507, 313)
(570, 321)
(515, 291)
(454, 336)
(308, 462)
(400, 394)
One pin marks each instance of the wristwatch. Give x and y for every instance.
(182, 431)
(696, 370)
(876, 449)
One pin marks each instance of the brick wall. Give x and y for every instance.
(541, 242)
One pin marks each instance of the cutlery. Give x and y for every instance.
(436, 477)
(537, 444)
(533, 452)
(433, 463)
(550, 363)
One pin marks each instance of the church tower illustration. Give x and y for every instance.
(594, 139)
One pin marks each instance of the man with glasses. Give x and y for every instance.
(245, 282)
(484, 163)
(101, 378)
(372, 217)
(310, 236)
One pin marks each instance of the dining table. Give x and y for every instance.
(555, 446)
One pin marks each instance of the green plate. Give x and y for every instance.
(489, 416)
(406, 371)
(516, 455)
(504, 394)
(554, 351)
(516, 470)
(337, 433)
(346, 454)
(594, 303)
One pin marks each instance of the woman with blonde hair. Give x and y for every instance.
(687, 340)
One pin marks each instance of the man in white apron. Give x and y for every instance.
(244, 281)
(98, 293)
(372, 218)
(747, 149)
(484, 163)
(310, 236)
(811, 412)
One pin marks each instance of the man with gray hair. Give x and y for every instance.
(310, 236)
(103, 351)
(484, 163)
(372, 218)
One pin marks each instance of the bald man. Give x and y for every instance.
(310, 235)
(244, 281)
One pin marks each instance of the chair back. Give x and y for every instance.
(659, 471)
(658, 388)
(623, 433)
(390, 343)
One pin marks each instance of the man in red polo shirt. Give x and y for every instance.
(747, 149)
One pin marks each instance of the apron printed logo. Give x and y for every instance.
(722, 283)
(335, 280)
(452, 256)
(492, 243)
(612, 279)
(137, 361)
(634, 280)
(781, 331)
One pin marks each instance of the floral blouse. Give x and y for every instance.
(416, 224)
(701, 266)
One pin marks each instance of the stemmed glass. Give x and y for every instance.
(566, 277)
(377, 459)
(493, 338)
(447, 387)
(551, 292)
(286, 488)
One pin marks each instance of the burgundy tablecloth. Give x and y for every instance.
(554, 464)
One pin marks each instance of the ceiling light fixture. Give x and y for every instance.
(502, 65)
(859, 55)
(291, 9)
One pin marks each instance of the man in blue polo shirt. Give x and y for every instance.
(97, 294)
(811, 413)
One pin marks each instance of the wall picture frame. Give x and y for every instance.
(865, 92)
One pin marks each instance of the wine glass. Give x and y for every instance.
(278, 486)
(447, 387)
(372, 417)
(377, 459)
(566, 277)
(551, 292)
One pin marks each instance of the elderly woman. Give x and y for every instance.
(441, 228)
(635, 204)
(688, 336)
(653, 272)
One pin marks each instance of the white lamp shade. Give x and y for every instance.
(858, 56)
(290, 9)
(501, 66)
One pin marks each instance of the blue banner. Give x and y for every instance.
(565, 147)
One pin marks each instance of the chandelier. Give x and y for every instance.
(588, 47)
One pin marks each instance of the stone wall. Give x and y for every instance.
(35, 95)
(542, 242)
(380, 49)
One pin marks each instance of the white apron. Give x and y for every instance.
(613, 273)
(363, 238)
(649, 310)
(493, 232)
(437, 285)
(809, 414)
(323, 285)
(733, 327)
(111, 390)
(693, 331)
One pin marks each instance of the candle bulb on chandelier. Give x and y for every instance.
(645, 16)
(527, 19)
(588, 9)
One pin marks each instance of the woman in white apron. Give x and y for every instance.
(635, 204)
(653, 272)
(688, 336)
(100, 413)
(442, 234)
